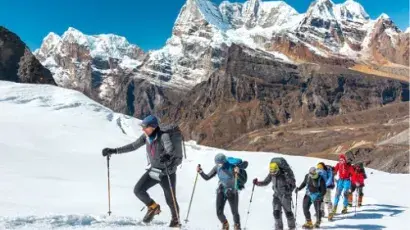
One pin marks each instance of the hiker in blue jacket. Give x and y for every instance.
(227, 187)
(326, 172)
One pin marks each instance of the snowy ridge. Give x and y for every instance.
(102, 46)
(58, 159)
(211, 13)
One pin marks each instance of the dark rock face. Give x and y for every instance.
(253, 91)
(17, 63)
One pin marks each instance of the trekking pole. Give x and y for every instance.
(236, 181)
(296, 208)
(357, 200)
(172, 193)
(192, 196)
(249, 207)
(109, 185)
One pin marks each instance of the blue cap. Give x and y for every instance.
(220, 158)
(151, 121)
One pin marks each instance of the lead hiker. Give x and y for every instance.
(315, 191)
(232, 178)
(344, 171)
(283, 183)
(164, 152)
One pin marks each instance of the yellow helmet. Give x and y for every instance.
(319, 166)
(273, 168)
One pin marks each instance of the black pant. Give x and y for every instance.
(359, 189)
(232, 197)
(307, 202)
(146, 182)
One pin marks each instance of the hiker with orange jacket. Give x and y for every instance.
(358, 178)
(344, 170)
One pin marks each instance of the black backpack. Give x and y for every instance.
(177, 140)
(286, 170)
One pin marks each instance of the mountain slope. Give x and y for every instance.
(253, 92)
(60, 180)
(17, 63)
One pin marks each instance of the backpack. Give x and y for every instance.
(286, 171)
(360, 168)
(242, 175)
(177, 140)
(331, 168)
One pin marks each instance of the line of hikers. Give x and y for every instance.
(165, 149)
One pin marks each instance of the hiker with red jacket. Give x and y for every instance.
(358, 178)
(344, 170)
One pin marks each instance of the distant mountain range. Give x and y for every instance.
(231, 72)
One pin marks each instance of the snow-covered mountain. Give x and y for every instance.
(54, 177)
(327, 32)
(94, 64)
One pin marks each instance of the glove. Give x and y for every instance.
(255, 181)
(357, 184)
(108, 151)
(165, 158)
(199, 169)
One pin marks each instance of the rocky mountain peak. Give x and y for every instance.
(383, 16)
(321, 9)
(351, 11)
(199, 13)
(17, 63)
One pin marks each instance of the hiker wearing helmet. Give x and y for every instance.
(162, 155)
(227, 172)
(344, 170)
(282, 196)
(327, 174)
(315, 191)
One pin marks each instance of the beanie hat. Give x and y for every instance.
(220, 158)
(150, 121)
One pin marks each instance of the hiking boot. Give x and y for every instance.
(153, 209)
(308, 224)
(331, 214)
(344, 210)
(330, 217)
(237, 227)
(174, 223)
(359, 202)
(317, 224)
(350, 199)
(225, 225)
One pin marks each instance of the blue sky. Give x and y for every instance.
(147, 23)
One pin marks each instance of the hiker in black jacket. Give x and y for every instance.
(315, 191)
(160, 152)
